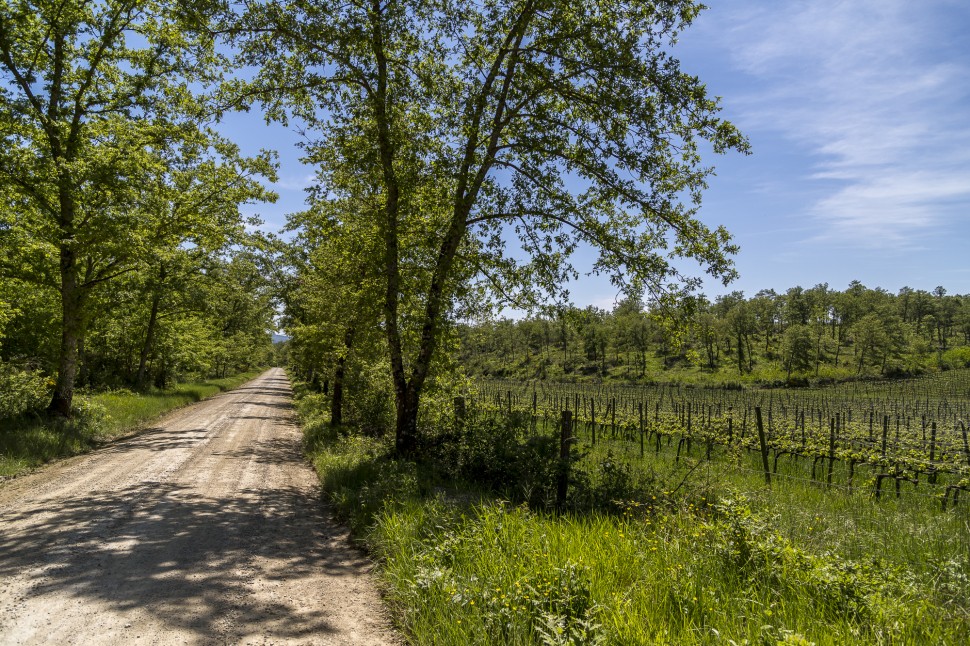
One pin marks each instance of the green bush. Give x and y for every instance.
(500, 455)
(368, 398)
(22, 390)
(956, 358)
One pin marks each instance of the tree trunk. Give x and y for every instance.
(337, 401)
(72, 323)
(406, 438)
(161, 377)
(405, 396)
(470, 179)
(141, 380)
(818, 349)
(740, 344)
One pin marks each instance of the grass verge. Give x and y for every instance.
(28, 442)
(719, 562)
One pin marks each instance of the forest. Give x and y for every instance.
(801, 336)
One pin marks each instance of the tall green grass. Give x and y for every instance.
(721, 560)
(29, 441)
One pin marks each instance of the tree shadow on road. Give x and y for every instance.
(190, 561)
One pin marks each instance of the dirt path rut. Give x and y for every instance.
(208, 529)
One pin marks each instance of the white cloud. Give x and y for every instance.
(874, 90)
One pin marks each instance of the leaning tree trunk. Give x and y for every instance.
(408, 393)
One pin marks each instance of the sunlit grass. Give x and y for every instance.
(126, 409)
(30, 441)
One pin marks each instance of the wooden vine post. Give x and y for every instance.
(966, 442)
(764, 445)
(828, 477)
(565, 440)
(641, 430)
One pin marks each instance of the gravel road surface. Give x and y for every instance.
(206, 529)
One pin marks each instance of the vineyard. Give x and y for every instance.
(871, 439)
(582, 513)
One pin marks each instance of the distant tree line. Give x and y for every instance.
(795, 336)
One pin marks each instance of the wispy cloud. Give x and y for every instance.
(879, 92)
(295, 182)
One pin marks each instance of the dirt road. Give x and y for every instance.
(208, 529)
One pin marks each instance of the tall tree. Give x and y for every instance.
(796, 349)
(524, 118)
(820, 306)
(336, 297)
(94, 107)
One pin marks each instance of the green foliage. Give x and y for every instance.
(28, 442)
(370, 405)
(796, 349)
(956, 357)
(108, 167)
(499, 455)
(464, 573)
(361, 478)
(446, 131)
(839, 588)
(613, 486)
(211, 318)
(22, 390)
(547, 603)
(802, 337)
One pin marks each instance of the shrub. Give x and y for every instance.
(368, 398)
(956, 358)
(840, 589)
(500, 455)
(22, 390)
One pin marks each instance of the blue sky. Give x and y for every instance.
(858, 112)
